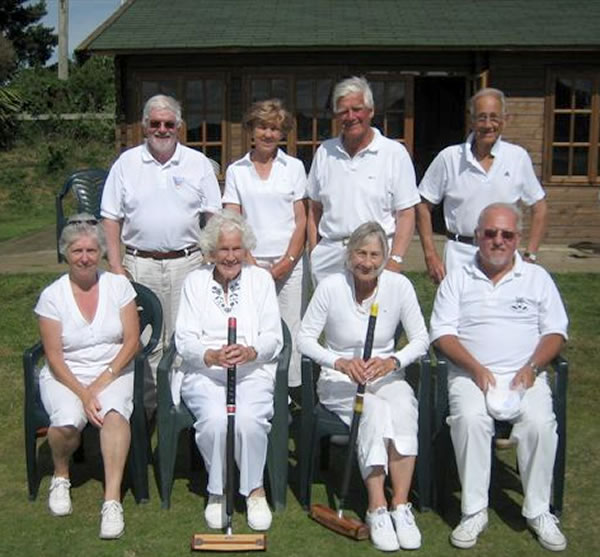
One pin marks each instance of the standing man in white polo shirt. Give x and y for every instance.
(468, 177)
(153, 199)
(357, 177)
(500, 321)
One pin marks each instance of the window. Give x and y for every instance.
(573, 128)
(203, 105)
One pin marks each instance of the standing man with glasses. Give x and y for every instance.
(468, 177)
(357, 177)
(153, 199)
(500, 321)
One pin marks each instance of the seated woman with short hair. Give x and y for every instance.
(90, 331)
(387, 436)
(228, 287)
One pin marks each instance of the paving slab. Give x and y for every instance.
(36, 253)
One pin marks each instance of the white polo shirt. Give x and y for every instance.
(501, 324)
(456, 177)
(160, 204)
(371, 186)
(267, 205)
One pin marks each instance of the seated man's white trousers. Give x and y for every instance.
(472, 429)
(206, 398)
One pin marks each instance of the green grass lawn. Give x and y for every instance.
(26, 528)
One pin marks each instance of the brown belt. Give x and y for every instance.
(459, 238)
(162, 254)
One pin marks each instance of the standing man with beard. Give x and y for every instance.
(153, 199)
(357, 177)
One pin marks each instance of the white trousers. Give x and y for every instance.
(165, 278)
(390, 414)
(206, 397)
(326, 258)
(472, 429)
(458, 254)
(66, 409)
(292, 297)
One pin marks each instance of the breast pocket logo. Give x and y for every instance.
(519, 305)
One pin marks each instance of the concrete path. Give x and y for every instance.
(36, 253)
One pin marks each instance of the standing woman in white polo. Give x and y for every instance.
(268, 187)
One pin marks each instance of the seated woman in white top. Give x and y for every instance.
(268, 187)
(227, 287)
(387, 436)
(90, 331)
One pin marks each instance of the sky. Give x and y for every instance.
(84, 17)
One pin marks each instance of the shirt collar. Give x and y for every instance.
(372, 147)
(279, 158)
(147, 156)
(469, 147)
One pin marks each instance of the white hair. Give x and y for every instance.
(161, 102)
(225, 221)
(351, 86)
(81, 224)
(487, 92)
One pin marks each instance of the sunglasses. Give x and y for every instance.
(169, 124)
(491, 233)
(88, 221)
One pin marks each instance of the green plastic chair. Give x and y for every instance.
(318, 425)
(37, 420)
(443, 445)
(173, 418)
(86, 186)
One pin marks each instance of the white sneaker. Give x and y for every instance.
(548, 533)
(214, 513)
(381, 530)
(112, 524)
(407, 530)
(466, 533)
(59, 496)
(259, 513)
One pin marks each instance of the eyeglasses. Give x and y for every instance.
(88, 221)
(491, 233)
(493, 118)
(169, 124)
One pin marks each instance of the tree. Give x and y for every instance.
(31, 41)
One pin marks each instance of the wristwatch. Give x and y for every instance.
(396, 258)
(530, 255)
(533, 366)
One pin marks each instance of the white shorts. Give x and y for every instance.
(66, 409)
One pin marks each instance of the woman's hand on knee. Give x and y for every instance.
(92, 408)
(378, 367)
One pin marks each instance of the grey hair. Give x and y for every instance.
(225, 220)
(487, 92)
(351, 86)
(509, 207)
(161, 102)
(362, 235)
(81, 224)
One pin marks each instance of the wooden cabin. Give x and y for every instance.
(424, 58)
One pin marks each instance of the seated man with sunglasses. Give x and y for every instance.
(500, 321)
(467, 177)
(153, 199)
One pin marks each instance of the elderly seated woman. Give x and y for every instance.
(227, 287)
(387, 437)
(90, 332)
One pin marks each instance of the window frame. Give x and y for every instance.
(593, 143)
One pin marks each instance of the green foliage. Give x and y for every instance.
(10, 104)
(19, 23)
